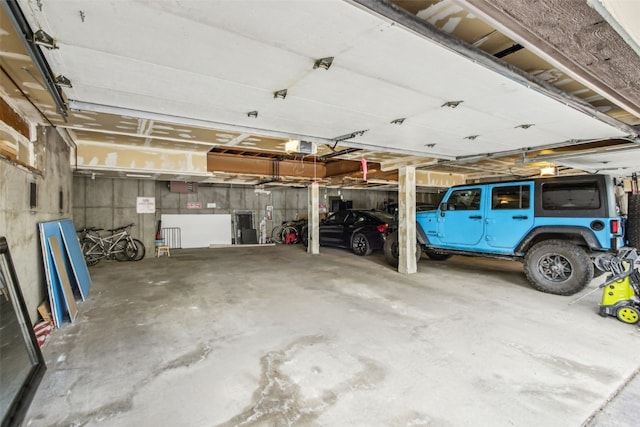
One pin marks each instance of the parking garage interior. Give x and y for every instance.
(259, 113)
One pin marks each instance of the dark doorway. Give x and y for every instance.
(337, 204)
(246, 233)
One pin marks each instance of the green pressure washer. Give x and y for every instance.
(621, 290)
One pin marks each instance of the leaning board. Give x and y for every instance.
(63, 275)
(56, 300)
(74, 253)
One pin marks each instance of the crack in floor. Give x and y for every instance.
(125, 404)
(278, 400)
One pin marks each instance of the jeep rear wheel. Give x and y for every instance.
(633, 221)
(392, 250)
(558, 267)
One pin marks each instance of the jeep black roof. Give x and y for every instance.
(560, 178)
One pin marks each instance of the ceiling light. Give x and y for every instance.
(451, 104)
(525, 126)
(282, 94)
(300, 147)
(398, 121)
(549, 171)
(471, 137)
(323, 63)
(253, 114)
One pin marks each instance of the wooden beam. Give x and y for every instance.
(13, 119)
(230, 163)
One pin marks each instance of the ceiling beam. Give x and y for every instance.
(230, 163)
(11, 117)
(347, 167)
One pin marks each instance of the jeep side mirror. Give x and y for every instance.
(443, 208)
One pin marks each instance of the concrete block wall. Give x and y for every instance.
(109, 202)
(19, 223)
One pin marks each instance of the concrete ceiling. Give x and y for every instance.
(425, 83)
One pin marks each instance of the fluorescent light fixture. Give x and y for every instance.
(138, 175)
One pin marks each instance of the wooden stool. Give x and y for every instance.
(162, 249)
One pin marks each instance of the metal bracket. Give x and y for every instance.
(451, 104)
(62, 81)
(324, 63)
(347, 136)
(282, 94)
(43, 39)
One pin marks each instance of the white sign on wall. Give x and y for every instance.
(146, 205)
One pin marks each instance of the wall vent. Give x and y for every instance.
(33, 195)
(183, 187)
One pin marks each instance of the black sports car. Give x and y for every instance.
(361, 230)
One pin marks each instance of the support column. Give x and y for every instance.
(313, 215)
(407, 220)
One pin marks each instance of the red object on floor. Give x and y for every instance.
(42, 330)
(289, 238)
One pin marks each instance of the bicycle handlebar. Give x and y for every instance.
(122, 228)
(86, 229)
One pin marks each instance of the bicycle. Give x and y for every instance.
(119, 245)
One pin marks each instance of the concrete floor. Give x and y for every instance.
(275, 337)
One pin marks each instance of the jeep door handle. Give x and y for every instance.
(520, 217)
(475, 217)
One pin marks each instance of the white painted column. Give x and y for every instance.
(313, 214)
(407, 220)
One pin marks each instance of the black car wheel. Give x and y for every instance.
(392, 252)
(360, 245)
(558, 267)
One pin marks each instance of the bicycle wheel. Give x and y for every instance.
(135, 250)
(276, 234)
(119, 251)
(90, 251)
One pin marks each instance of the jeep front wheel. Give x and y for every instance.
(392, 251)
(558, 267)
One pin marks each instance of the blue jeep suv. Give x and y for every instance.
(556, 226)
